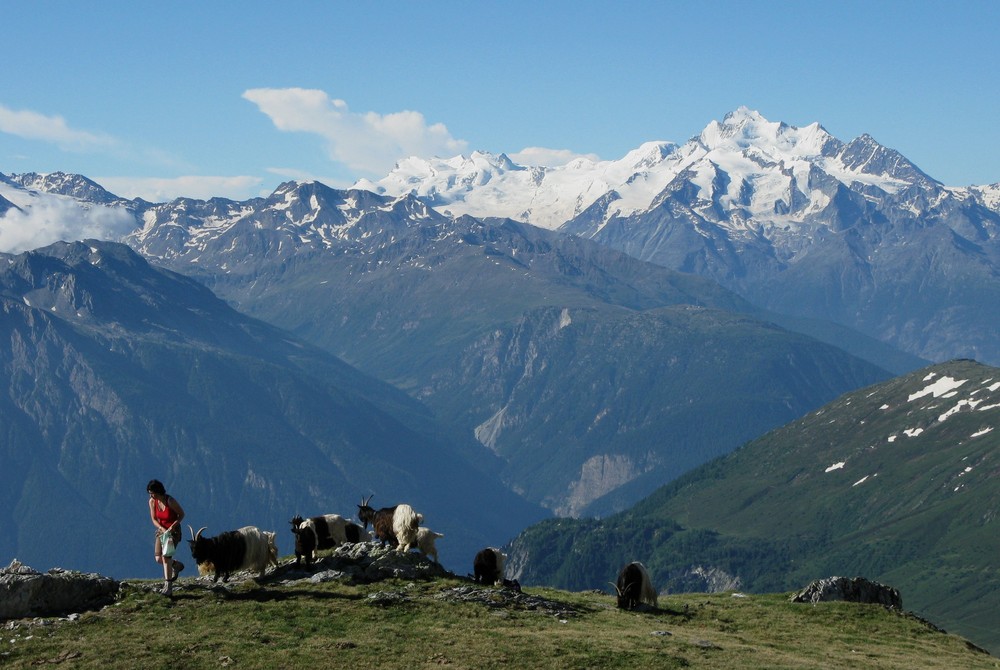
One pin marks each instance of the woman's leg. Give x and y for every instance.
(175, 565)
(166, 563)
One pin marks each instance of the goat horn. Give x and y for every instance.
(191, 530)
(615, 586)
(200, 531)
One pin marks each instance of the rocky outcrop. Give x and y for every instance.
(364, 563)
(850, 589)
(25, 592)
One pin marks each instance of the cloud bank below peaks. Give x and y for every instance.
(48, 219)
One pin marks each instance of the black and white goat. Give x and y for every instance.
(323, 532)
(634, 587)
(394, 525)
(248, 548)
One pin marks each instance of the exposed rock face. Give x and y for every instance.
(599, 475)
(707, 580)
(850, 589)
(25, 592)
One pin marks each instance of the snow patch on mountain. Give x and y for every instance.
(937, 388)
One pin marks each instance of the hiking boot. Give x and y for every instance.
(178, 566)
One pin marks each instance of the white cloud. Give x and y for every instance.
(369, 142)
(157, 189)
(49, 219)
(542, 157)
(34, 126)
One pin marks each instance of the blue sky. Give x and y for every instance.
(232, 98)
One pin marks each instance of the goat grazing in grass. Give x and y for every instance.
(634, 586)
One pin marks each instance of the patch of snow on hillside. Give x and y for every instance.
(892, 438)
(962, 404)
(836, 466)
(860, 481)
(913, 432)
(982, 432)
(884, 407)
(937, 389)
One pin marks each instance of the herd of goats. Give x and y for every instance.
(250, 548)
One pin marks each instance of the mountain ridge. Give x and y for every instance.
(483, 320)
(456, 312)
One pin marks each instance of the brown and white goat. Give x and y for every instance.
(395, 525)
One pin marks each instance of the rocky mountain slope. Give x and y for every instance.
(585, 371)
(896, 482)
(116, 372)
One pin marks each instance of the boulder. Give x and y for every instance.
(25, 592)
(850, 589)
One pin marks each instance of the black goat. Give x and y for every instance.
(634, 586)
(248, 548)
(487, 566)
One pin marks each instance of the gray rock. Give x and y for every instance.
(365, 563)
(25, 592)
(850, 589)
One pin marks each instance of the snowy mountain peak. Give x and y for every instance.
(745, 166)
(648, 155)
(64, 183)
(745, 128)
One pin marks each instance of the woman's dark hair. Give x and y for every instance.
(155, 486)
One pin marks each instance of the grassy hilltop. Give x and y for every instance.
(451, 622)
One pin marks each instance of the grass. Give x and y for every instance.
(397, 624)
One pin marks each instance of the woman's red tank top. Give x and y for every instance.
(165, 516)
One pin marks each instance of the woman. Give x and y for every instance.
(166, 514)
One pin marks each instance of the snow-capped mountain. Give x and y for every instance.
(793, 219)
(763, 170)
(485, 185)
(63, 183)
